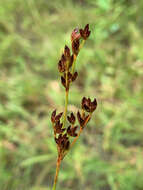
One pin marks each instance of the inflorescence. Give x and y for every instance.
(63, 132)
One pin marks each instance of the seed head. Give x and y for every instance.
(61, 66)
(72, 131)
(67, 52)
(75, 34)
(88, 105)
(75, 46)
(80, 119)
(85, 32)
(74, 76)
(71, 118)
(83, 120)
(58, 128)
(62, 142)
(54, 117)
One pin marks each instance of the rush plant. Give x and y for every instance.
(66, 132)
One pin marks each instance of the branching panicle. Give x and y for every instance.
(63, 133)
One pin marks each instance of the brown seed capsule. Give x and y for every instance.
(93, 105)
(87, 105)
(61, 66)
(63, 81)
(71, 118)
(62, 142)
(67, 52)
(69, 77)
(58, 128)
(71, 61)
(75, 46)
(63, 58)
(80, 119)
(74, 77)
(75, 34)
(58, 117)
(53, 115)
(72, 131)
(85, 32)
(83, 120)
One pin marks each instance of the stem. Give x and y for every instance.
(66, 95)
(81, 45)
(73, 65)
(75, 139)
(75, 56)
(57, 172)
(66, 106)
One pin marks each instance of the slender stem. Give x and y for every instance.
(74, 61)
(66, 95)
(75, 56)
(57, 172)
(75, 139)
(82, 44)
(66, 106)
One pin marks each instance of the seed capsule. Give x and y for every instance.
(88, 105)
(85, 32)
(71, 118)
(72, 131)
(75, 34)
(75, 46)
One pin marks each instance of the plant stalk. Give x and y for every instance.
(66, 106)
(57, 172)
(75, 56)
(73, 65)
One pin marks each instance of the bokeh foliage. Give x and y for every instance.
(32, 35)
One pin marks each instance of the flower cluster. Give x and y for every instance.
(68, 58)
(64, 66)
(76, 122)
(87, 106)
(62, 134)
(85, 32)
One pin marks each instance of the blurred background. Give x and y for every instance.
(109, 154)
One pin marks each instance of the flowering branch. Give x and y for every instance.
(62, 132)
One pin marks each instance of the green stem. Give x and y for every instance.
(73, 65)
(57, 173)
(82, 44)
(75, 56)
(66, 106)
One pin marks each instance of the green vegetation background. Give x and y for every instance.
(109, 155)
